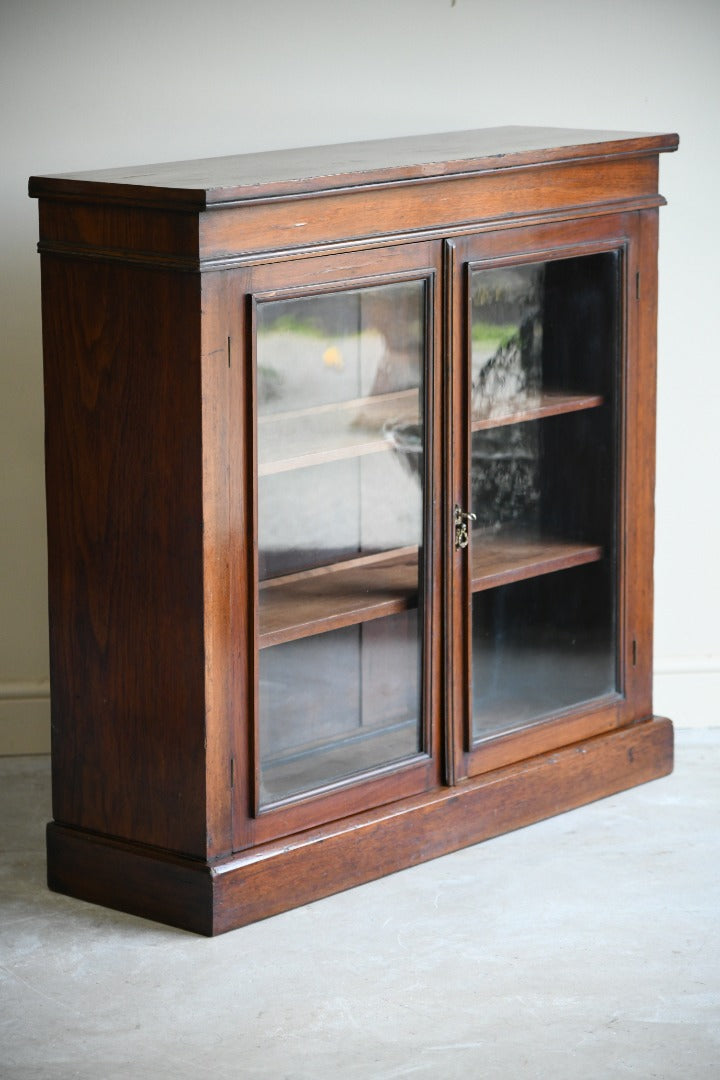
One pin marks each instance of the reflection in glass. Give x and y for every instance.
(338, 704)
(543, 487)
(506, 339)
(340, 446)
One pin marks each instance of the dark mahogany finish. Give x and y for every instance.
(149, 277)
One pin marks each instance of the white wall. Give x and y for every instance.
(94, 83)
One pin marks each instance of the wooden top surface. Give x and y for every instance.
(213, 181)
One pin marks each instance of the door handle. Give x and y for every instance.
(460, 521)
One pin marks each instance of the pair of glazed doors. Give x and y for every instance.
(452, 510)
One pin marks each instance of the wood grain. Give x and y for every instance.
(501, 557)
(344, 854)
(616, 232)
(125, 551)
(328, 598)
(210, 181)
(316, 603)
(149, 278)
(170, 214)
(535, 407)
(299, 277)
(459, 204)
(277, 876)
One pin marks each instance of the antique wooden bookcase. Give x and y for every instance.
(350, 465)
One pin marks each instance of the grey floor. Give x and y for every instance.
(585, 947)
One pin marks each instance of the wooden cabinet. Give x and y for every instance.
(350, 464)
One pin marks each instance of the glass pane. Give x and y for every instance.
(338, 704)
(340, 443)
(539, 646)
(506, 339)
(543, 486)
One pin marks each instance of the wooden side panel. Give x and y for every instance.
(123, 469)
(128, 232)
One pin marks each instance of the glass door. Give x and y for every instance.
(536, 516)
(343, 379)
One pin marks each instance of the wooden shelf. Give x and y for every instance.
(499, 558)
(371, 587)
(535, 407)
(328, 598)
(323, 433)
(319, 434)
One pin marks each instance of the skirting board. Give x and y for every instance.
(687, 689)
(240, 889)
(24, 719)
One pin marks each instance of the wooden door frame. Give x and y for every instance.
(633, 235)
(301, 277)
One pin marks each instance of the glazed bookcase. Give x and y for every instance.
(350, 467)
